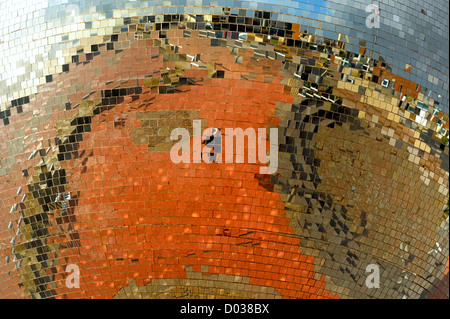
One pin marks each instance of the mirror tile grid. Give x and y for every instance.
(90, 91)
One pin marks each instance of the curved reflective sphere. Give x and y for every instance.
(93, 205)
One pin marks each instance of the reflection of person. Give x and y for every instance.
(214, 142)
(142, 220)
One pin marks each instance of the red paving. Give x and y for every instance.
(139, 205)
